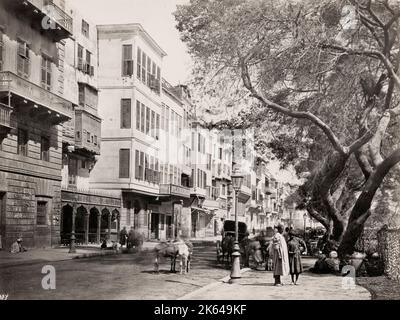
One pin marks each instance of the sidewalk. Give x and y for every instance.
(32, 256)
(258, 285)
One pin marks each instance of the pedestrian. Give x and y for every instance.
(296, 247)
(17, 247)
(123, 236)
(286, 234)
(279, 255)
(131, 238)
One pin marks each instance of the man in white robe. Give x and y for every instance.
(279, 255)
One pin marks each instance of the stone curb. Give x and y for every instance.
(210, 286)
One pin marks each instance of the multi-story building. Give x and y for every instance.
(32, 110)
(50, 130)
(92, 214)
(130, 104)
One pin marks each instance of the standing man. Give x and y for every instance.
(123, 235)
(279, 254)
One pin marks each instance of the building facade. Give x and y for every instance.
(48, 101)
(32, 111)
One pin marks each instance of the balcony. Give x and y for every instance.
(88, 132)
(44, 16)
(41, 104)
(199, 192)
(174, 190)
(5, 117)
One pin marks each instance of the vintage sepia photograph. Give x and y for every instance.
(199, 150)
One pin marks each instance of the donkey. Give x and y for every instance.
(174, 250)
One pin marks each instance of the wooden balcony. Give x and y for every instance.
(88, 131)
(5, 117)
(28, 97)
(174, 190)
(45, 16)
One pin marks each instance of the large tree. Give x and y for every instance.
(327, 73)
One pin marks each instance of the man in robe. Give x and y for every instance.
(279, 254)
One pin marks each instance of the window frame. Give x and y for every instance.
(127, 61)
(45, 148)
(46, 71)
(124, 170)
(23, 58)
(126, 113)
(85, 28)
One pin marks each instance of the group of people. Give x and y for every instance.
(285, 253)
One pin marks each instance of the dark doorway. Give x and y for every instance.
(168, 223)
(66, 224)
(155, 222)
(194, 225)
(80, 225)
(93, 218)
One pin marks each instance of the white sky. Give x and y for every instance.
(156, 18)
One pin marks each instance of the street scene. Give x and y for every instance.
(199, 150)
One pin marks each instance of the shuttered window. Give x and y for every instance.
(127, 61)
(125, 113)
(44, 149)
(147, 120)
(23, 59)
(137, 165)
(142, 116)
(80, 57)
(139, 63)
(157, 126)
(46, 73)
(146, 167)
(85, 28)
(153, 124)
(144, 59)
(138, 115)
(124, 163)
(141, 167)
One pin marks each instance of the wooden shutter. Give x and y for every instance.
(137, 115)
(139, 63)
(137, 165)
(125, 113)
(124, 165)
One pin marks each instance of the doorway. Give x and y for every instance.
(155, 221)
(169, 226)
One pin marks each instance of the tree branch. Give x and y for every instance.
(360, 142)
(369, 53)
(294, 114)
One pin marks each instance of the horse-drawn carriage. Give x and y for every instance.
(225, 246)
(254, 249)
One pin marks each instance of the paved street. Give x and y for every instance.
(123, 276)
(131, 276)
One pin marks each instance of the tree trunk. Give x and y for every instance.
(361, 209)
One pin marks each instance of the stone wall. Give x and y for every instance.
(389, 248)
